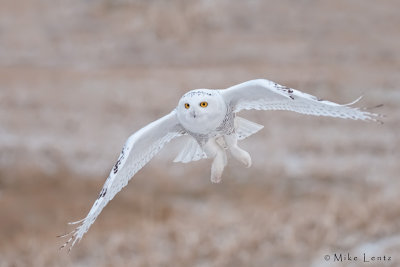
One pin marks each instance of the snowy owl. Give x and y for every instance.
(209, 118)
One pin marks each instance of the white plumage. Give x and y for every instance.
(209, 118)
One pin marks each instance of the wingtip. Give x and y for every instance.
(66, 244)
(374, 117)
(355, 101)
(76, 222)
(62, 236)
(373, 107)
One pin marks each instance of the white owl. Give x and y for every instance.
(209, 118)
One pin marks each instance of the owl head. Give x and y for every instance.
(201, 111)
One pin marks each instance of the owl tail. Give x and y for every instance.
(190, 152)
(193, 152)
(244, 128)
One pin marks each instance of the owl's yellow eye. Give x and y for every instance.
(187, 106)
(203, 104)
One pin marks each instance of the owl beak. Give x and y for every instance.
(193, 114)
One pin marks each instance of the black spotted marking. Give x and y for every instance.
(284, 88)
(227, 125)
(197, 93)
(115, 169)
(119, 161)
(102, 193)
(291, 97)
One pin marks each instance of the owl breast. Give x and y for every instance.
(202, 111)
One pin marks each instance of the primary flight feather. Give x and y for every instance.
(209, 118)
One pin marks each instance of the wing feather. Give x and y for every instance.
(139, 149)
(267, 95)
(245, 128)
(190, 152)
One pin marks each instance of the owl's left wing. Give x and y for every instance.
(139, 149)
(267, 95)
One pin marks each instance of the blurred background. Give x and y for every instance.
(78, 77)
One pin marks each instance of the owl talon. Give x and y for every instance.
(217, 168)
(216, 179)
(246, 159)
(214, 150)
(240, 154)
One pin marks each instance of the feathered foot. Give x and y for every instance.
(214, 150)
(240, 154)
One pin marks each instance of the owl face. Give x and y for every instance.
(201, 111)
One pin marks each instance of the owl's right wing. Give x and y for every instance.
(267, 95)
(138, 150)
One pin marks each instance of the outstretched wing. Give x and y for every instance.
(139, 149)
(267, 95)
